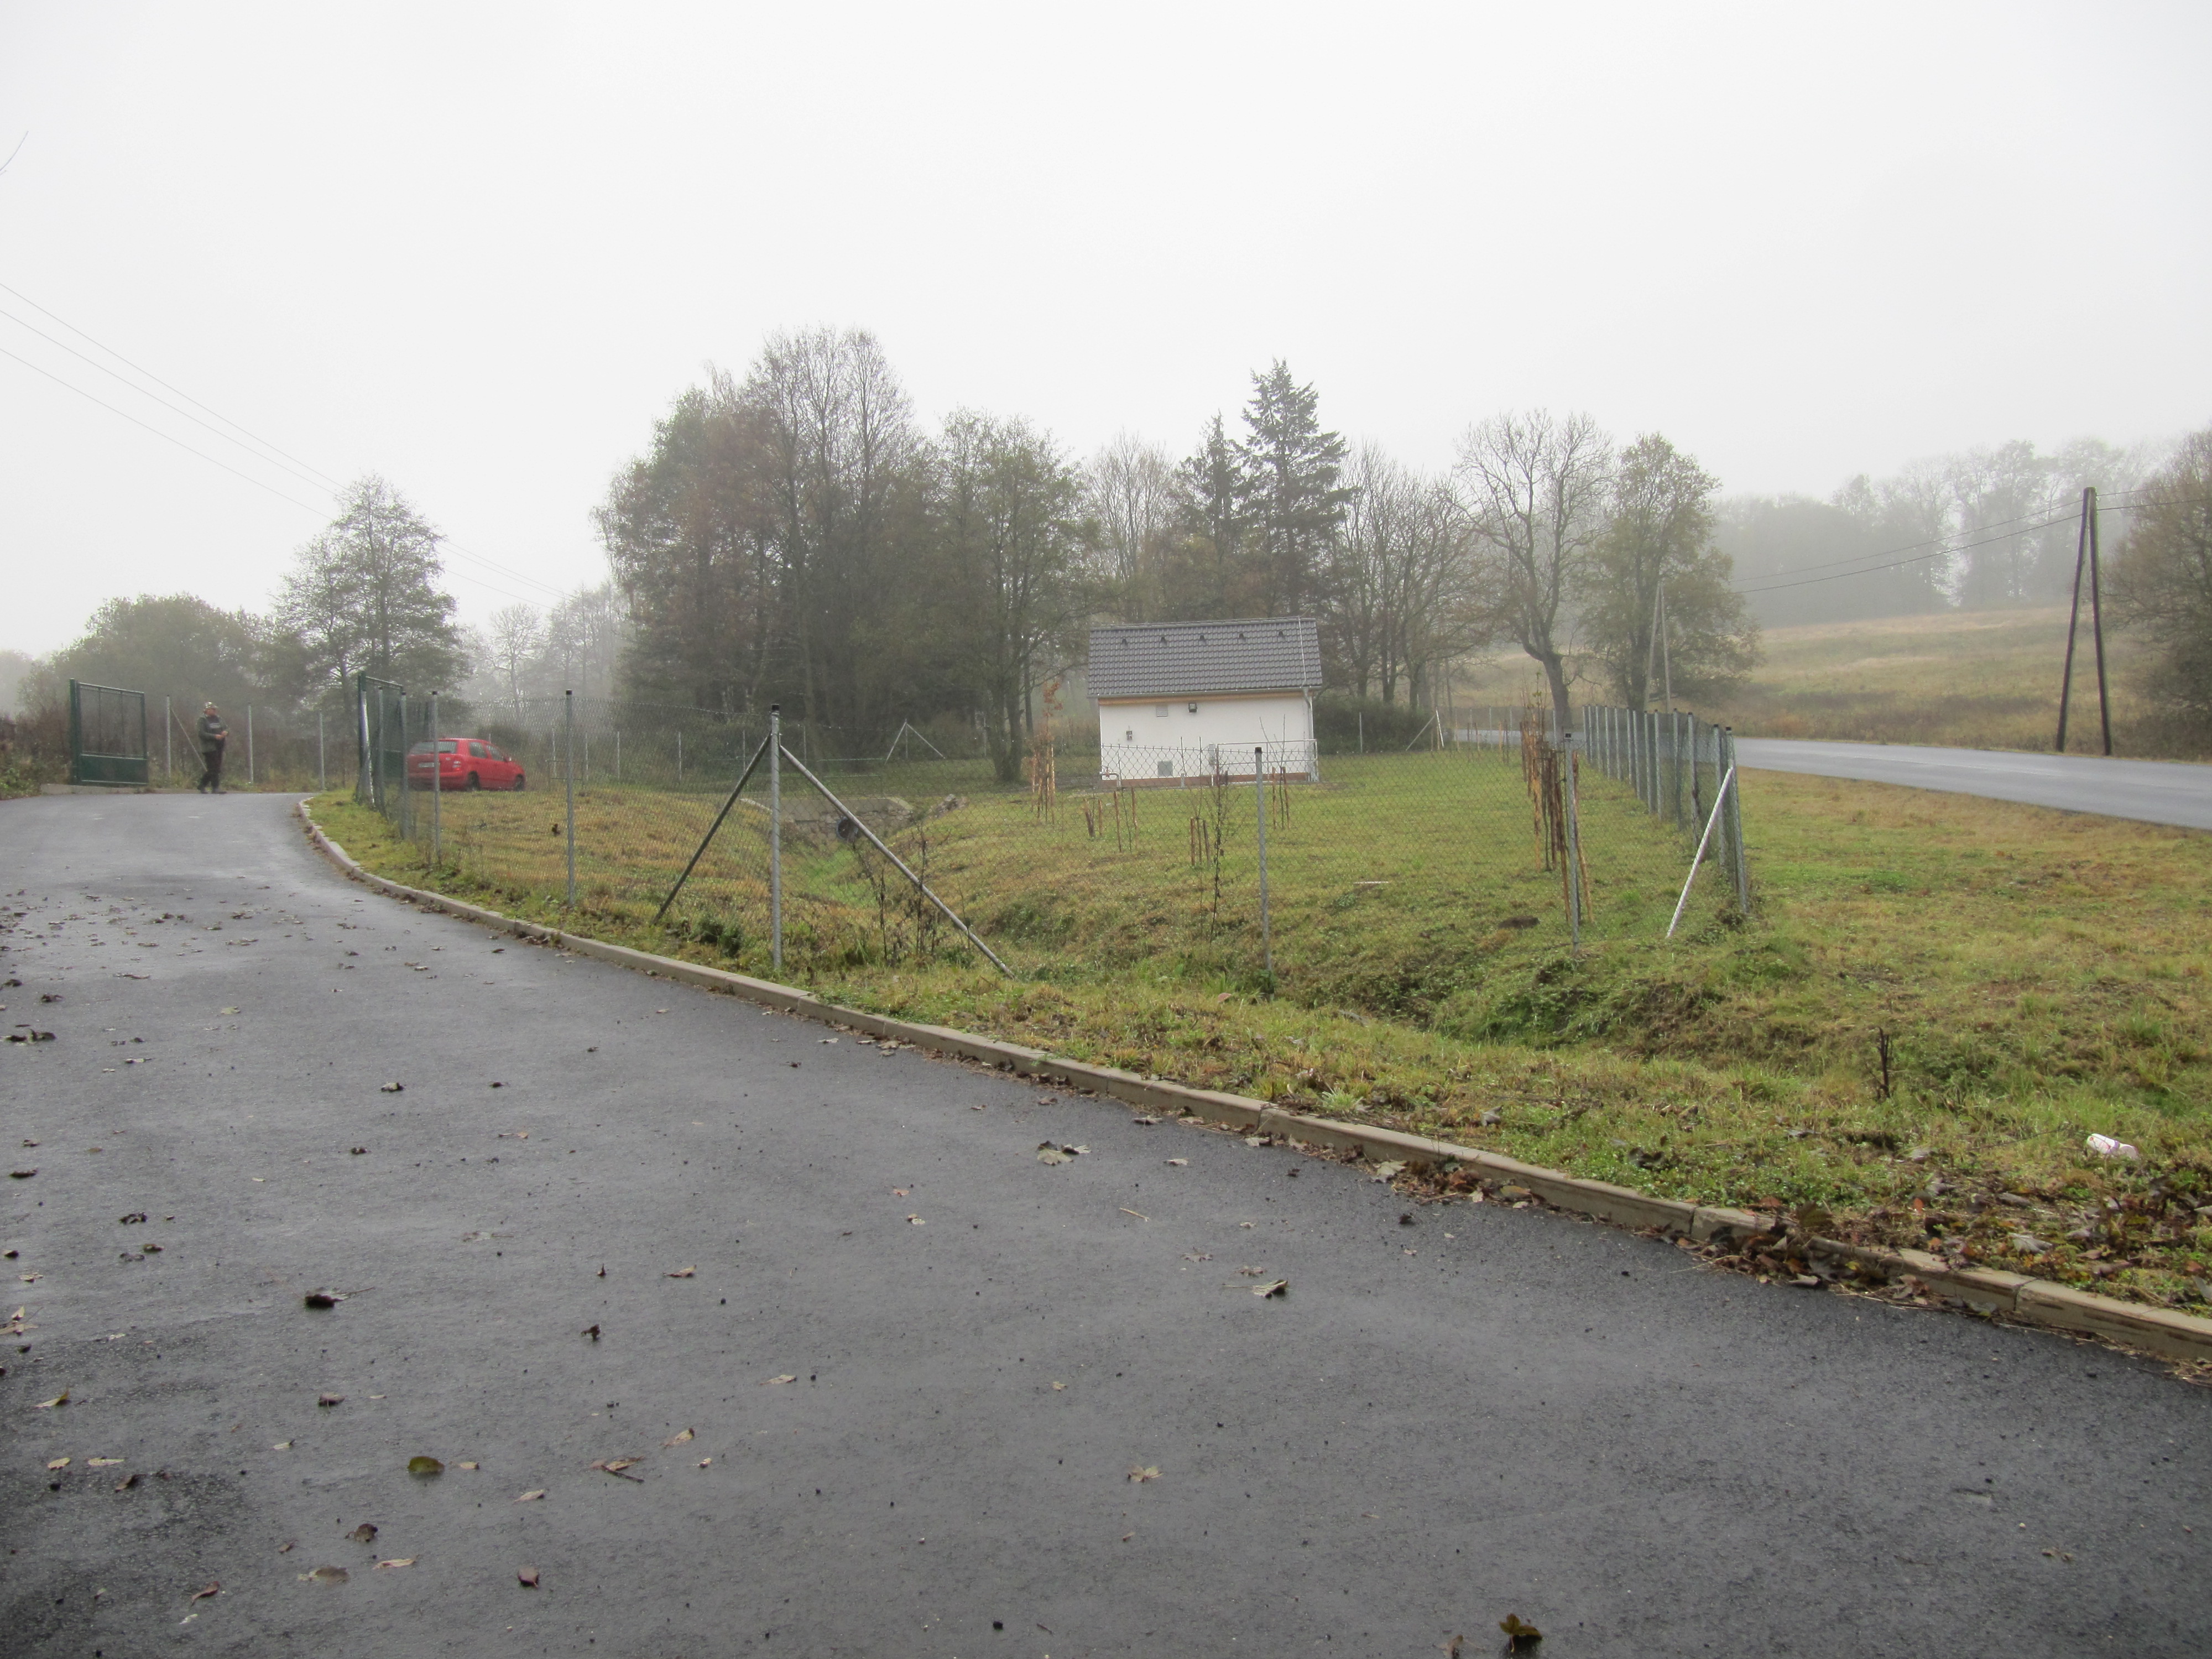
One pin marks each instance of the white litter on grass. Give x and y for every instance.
(2105, 1146)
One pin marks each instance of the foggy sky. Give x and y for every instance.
(478, 247)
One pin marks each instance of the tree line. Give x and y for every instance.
(798, 536)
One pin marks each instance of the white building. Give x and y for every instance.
(1178, 701)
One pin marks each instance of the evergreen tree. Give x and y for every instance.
(1292, 498)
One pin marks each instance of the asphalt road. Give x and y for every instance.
(917, 1366)
(2155, 792)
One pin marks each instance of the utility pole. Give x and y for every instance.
(2085, 554)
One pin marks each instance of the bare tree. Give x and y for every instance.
(1534, 488)
(1129, 493)
(516, 635)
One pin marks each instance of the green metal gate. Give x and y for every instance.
(380, 729)
(107, 735)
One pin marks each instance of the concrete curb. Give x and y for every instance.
(2035, 1301)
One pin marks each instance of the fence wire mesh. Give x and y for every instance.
(1480, 844)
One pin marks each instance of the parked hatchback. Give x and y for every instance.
(462, 764)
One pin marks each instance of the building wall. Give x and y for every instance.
(1139, 744)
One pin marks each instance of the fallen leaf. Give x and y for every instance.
(59, 1463)
(357, 1151)
(704, 1461)
(1278, 1287)
(1519, 1636)
(130, 1220)
(531, 1496)
(1060, 1387)
(230, 1010)
(61, 1398)
(1385, 1172)
(1048, 1153)
(915, 1221)
(285, 1549)
(680, 1273)
(527, 1577)
(365, 1533)
(1147, 1121)
(126, 1483)
(900, 1192)
(1127, 1210)
(1141, 1474)
(676, 1439)
(391, 1088)
(326, 1575)
(1178, 1162)
(215, 1589)
(425, 1466)
(464, 1466)
(329, 1399)
(322, 1299)
(773, 1381)
(397, 1561)
(615, 1466)
(20, 1175)
(100, 1462)
(593, 1331)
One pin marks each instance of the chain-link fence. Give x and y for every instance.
(1275, 864)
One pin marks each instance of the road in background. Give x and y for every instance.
(2155, 792)
(892, 1386)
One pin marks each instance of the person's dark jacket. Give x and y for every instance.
(213, 733)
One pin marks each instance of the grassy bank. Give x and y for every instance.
(2039, 976)
(1975, 679)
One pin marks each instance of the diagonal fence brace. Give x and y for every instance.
(711, 829)
(920, 886)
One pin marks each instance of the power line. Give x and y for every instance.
(320, 475)
(166, 437)
(1940, 552)
(306, 477)
(1943, 542)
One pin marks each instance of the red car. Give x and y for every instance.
(463, 763)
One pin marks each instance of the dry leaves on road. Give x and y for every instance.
(1519, 1636)
(1141, 1474)
(326, 1575)
(364, 1533)
(527, 1577)
(617, 1466)
(59, 1463)
(425, 1466)
(397, 1561)
(215, 1589)
(680, 1273)
(322, 1299)
(770, 1383)
(61, 1398)
(676, 1439)
(1278, 1287)
(391, 1088)
(531, 1496)
(329, 1399)
(102, 1462)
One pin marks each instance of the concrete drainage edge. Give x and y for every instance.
(2035, 1301)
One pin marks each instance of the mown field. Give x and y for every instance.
(2039, 976)
(1976, 679)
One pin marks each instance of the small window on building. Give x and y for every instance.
(1167, 768)
(1194, 708)
(1129, 737)
(1160, 710)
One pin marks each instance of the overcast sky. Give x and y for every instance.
(478, 247)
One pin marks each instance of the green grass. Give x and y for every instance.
(2040, 976)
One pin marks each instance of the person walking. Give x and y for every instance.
(213, 734)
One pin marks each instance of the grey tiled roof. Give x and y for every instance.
(1190, 659)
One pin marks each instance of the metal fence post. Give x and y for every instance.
(775, 828)
(1260, 792)
(406, 785)
(1736, 823)
(1574, 856)
(568, 773)
(437, 788)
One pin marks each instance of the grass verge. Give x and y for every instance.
(2038, 975)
